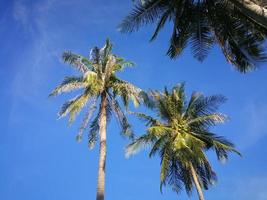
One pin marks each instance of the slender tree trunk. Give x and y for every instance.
(197, 183)
(252, 10)
(102, 151)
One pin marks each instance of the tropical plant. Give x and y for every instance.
(99, 85)
(180, 134)
(255, 9)
(202, 24)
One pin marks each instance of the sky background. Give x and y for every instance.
(39, 156)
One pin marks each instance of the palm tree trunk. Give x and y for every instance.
(197, 184)
(251, 9)
(102, 150)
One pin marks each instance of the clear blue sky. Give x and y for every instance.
(39, 157)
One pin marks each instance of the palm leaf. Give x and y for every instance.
(86, 119)
(142, 14)
(68, 84)
(77, 61)
(123, 121)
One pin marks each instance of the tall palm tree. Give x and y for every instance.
(99, 85)
(203, 24)
(180, 134)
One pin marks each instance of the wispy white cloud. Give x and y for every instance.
(41, 22)
(28, 14)
(33, 66)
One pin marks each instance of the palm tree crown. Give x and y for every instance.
(202, 24)
(181, 135)
(98, 80)
(98, 83)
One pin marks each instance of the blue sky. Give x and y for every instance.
(39, 157)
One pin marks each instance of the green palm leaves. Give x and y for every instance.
(180, 133)
(201, 24)
(98, 77)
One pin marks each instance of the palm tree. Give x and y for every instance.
(181, 135)
(98, 84)
(202, 24)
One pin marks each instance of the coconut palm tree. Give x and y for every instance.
(180, 133)
(100, 86)
(202, 24)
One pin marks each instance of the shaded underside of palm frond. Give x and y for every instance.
(202, 24)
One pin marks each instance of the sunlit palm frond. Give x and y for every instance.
(121, 64)
(68, 84)
(77, 61)
(73, 107)
(138, 144)
(150, 121)
(127, 91)
(86, 120)
(208, 120)
(105, 52)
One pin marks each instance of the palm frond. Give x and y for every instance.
(68, 84)
(164, 170)
(105, 52)
(241, 44)
(181, 32)
(218, 143)
(147, 99)
(77, 61)
(73, 107)
(138, 144)
(209, 120)
(202, 38)
(203, 24)
(142, 14)
(127, 91)
(159, 130)
(207, 105)
(93, 131)
(161, 23)
(86, 120)
(205, 173)
(109, 66)
(121, 64)
(122, 119)
(159, 144)
(150, 121)
(178, 41)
